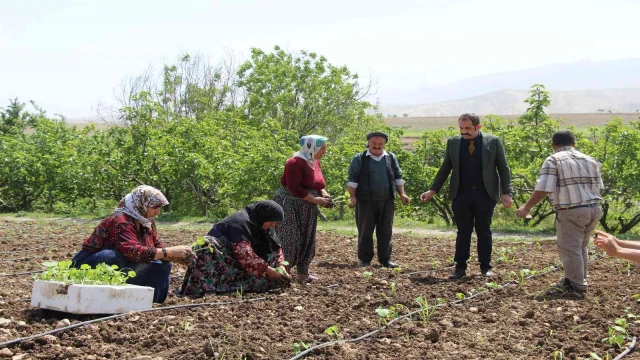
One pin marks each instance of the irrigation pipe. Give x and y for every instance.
(428, 271)
(627, 351)
(80, 324)
(322, 345)
(25, 258)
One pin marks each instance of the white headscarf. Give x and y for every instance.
(309, 146)
(136, 203)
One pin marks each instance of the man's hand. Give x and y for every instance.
(607, 242)
(507, 201)
(426, 196)
(352, 201)
(405, 199)
(523, 211)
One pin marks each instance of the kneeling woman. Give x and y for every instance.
(128, 238)
(241, 253)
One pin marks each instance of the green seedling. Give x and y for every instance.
(461, 296)
(450, 260)
(426, 311)
(435, 264)
(333, 332)
(239, 293)
(397, 270)
(597, 357)
(103, 274)
(298, 347)
(186, 325)
(280, 269)
(635, 297)
(557, 355)
(492, 285)
(393, 288)
(201, 244)
(624, 269)
(617, 333)
(521, 276)
(367, 275)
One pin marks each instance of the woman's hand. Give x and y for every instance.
(281, 278)
(607, 242)
(325, 194)
(322, 201)
(182, 254)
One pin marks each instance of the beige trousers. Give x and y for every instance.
(573, 231)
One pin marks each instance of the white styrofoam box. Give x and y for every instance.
(90, 299)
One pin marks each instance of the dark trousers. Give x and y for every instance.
(473, 208)
(154, 274)
(378, 215)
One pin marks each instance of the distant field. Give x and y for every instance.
(414, 126)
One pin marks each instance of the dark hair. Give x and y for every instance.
(378, 134)
(475, 119)
(563, 138)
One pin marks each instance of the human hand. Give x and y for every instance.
(428, 195)
(606, 242)
(325, 194)
(405, 199)
(322, 201)
(352, 201)
(280, 278)
(507, 201)
(179, 252)
(522, 212)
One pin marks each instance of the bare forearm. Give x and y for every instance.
(633, 245)
(535, 198)
(352, 190)
(400, 189)
(629, 254)
(310, 198)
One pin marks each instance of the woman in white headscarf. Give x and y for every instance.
(128, 238)
(303, 189)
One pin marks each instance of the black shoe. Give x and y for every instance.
(364, 263)
(457, 274)
(487, 273)
(390, 265)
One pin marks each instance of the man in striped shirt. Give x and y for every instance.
(573, 181)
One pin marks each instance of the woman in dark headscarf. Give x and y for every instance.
(240, 253)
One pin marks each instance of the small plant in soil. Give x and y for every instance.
(521, 276)
(492, 285)
(393, 289)
(617, 333)
(597, 357)
(426, 311)
(239, 293)
(201, 244)
(435, 264)
(624, 269)
(397, 271)
(461, 296)
(557, 355)
(332, 331)
(367, 275)
(299, 347)
(103, 274)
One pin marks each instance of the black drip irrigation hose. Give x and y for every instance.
(80, 324)
(322, 345)
(627, 351)
(428, 271)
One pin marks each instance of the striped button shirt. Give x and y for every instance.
(571, 177)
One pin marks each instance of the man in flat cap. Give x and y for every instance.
(374, 180)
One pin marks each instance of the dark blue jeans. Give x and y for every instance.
(473, 208)
(154, 274)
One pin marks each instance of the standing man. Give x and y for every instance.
(573, 181)
(374, 179)
(480, 176)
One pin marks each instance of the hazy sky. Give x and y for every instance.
(69, 56)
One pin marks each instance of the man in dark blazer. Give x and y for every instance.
(480, 179)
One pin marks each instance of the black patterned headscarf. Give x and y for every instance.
(249, 221)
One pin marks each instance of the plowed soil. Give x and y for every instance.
(530, 320)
